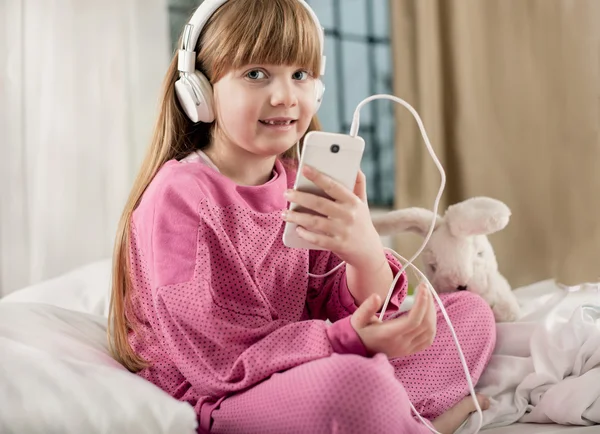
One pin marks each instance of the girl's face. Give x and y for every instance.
(265, 109)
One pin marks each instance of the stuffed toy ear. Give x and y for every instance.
(416, 220)
(477, 216)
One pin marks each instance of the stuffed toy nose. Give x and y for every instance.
(461, 288)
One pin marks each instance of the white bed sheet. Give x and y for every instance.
(534, 428)
(549, 341)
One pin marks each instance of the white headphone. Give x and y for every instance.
(193, 89)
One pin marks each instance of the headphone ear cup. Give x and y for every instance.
(319, 91)
(192, 88)
(206, 112)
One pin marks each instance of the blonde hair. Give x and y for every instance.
(241, 32)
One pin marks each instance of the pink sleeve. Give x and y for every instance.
(218, 350)
(329, 297)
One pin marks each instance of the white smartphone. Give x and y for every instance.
(336, 155)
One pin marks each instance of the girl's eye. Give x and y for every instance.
(300, 75)
(255, 74)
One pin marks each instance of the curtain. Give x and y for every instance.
(509, 91)
(78, 98)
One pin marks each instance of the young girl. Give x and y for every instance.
(209, 305)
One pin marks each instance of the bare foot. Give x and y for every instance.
(452, 419)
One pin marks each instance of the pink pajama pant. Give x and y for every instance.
(354, 394)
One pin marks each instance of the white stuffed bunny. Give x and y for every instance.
(459, 255)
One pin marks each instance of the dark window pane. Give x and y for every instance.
(353, 13)
(324, 10)
(355, 77)
(381, 14)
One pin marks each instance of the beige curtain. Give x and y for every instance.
(509, 91)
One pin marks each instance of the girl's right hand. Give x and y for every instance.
(398, 337)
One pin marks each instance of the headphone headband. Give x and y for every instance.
(187, 55)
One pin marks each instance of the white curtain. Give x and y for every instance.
(78, 97)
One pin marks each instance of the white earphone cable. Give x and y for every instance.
(354, 132)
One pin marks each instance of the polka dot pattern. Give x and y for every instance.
(352, 394)
(337, 394)
(434, 378)
(229, 319)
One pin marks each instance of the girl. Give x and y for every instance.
(210, 306)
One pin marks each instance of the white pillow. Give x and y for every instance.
(84, 289)
(57, 376)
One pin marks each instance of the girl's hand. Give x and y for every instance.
(398, 337)
(344, 226)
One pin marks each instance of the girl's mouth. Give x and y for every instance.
(278, 123)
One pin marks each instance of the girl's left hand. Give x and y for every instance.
(345, 226)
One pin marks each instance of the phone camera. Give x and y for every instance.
(335, 148)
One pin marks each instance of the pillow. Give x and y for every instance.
(57, 376)
(84, 289)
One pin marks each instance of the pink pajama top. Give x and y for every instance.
(218, 302)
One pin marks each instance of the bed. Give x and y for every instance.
(58, 377)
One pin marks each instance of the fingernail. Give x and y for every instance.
(308, 170)
(284, 214)
(287, 194)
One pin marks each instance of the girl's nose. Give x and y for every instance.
(284, 94)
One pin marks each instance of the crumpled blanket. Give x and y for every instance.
(546, 367)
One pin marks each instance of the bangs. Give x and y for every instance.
(275, 32)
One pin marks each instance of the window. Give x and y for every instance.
(359, 64)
